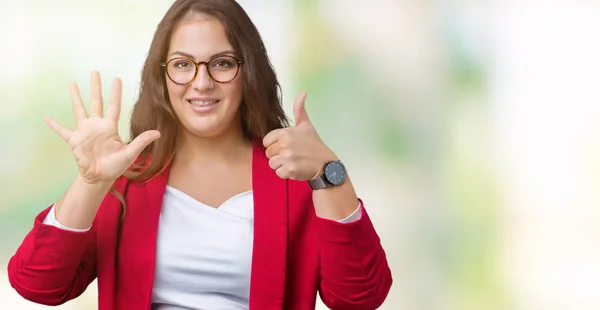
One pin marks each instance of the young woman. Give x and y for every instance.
(216, 202)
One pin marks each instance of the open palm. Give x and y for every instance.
(100, 153)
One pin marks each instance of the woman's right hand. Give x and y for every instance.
(100, 153)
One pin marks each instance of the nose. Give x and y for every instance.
(203, 81)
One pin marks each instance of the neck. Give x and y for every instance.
(230, 146)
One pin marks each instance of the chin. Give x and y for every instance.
(205, 131)
(208, 127)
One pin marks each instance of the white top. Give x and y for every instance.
(204, 254)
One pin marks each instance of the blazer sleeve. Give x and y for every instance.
(53, 265)
(354, 268)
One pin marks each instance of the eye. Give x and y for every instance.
(183, 64)
(222, 63)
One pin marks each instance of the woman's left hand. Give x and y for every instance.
(297, 152)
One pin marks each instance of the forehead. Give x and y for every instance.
(200, 36)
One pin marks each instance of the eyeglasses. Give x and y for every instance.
(221, 69)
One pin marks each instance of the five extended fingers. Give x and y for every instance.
(113, 112)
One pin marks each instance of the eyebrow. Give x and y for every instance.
(227, 52)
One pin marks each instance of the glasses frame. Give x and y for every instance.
(239, 62)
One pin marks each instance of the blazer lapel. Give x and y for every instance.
(137, 246)
(267, 282)
(155, 191)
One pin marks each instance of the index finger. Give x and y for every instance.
(114, 107)
(271, 137)
(78, 108)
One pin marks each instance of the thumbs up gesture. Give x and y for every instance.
(297, 152)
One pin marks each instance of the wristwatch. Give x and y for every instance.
(334, 174)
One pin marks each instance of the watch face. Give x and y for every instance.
(335, 172)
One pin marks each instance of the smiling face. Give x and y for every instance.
(204, 107)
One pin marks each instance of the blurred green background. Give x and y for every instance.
(470, 129)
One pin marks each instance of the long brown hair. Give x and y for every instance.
(261, 109)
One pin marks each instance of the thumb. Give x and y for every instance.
(138, 144)
(300, 114)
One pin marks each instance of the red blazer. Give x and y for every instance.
(295, 252)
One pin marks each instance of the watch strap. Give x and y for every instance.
(318, 182)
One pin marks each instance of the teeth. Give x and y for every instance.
(200, 102)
